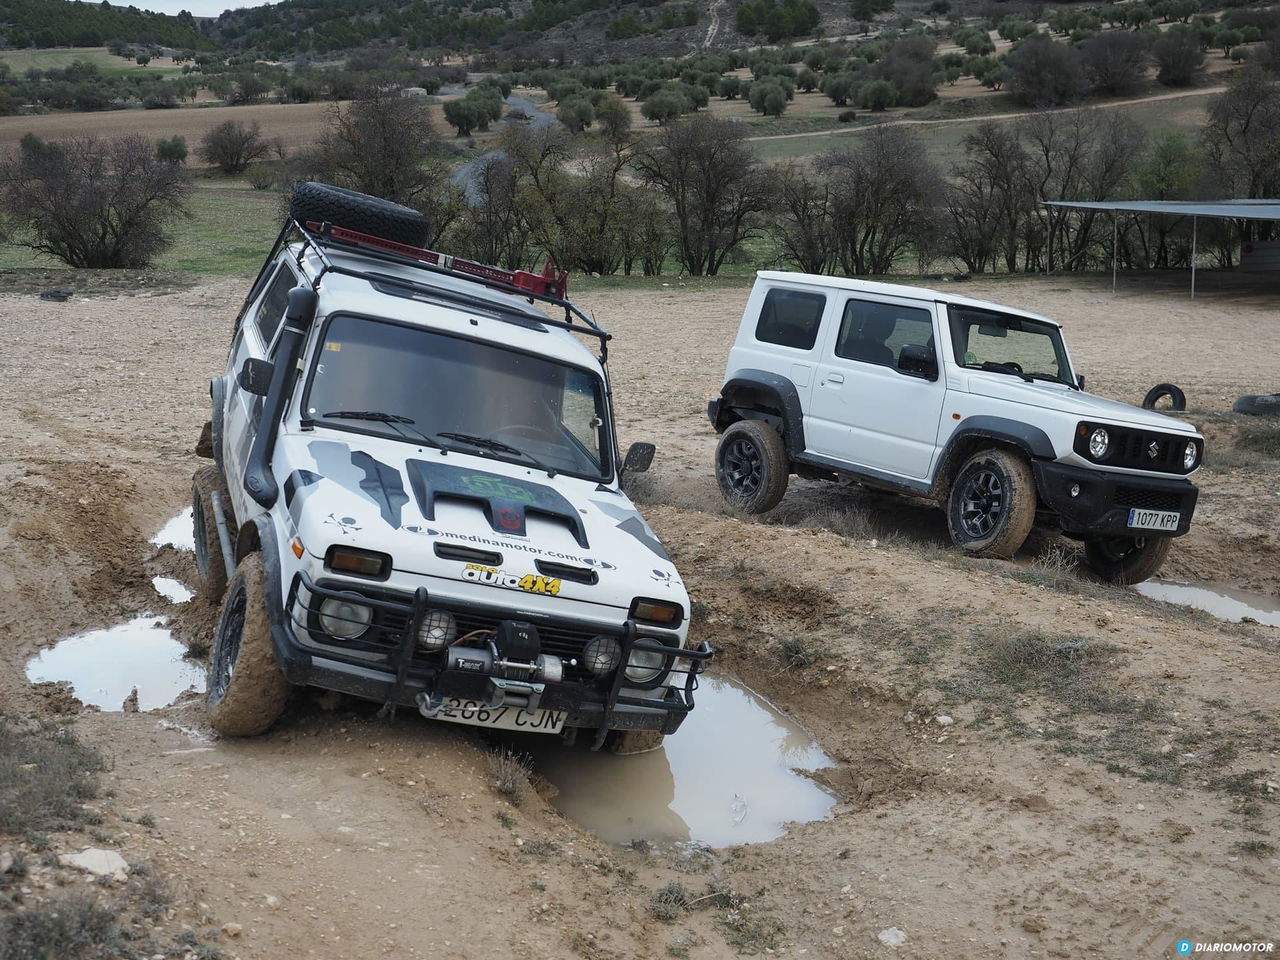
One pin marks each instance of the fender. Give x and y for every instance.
(773, 388)
(1031, 440)
(268, 546)
(218, 399)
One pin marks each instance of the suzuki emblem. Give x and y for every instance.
(1153, 450)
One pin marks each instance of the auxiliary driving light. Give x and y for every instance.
(438, 630)
(344, 617)
(1189, 455)
(601, 656)
(1099, 443)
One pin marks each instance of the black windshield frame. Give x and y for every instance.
(608, 448)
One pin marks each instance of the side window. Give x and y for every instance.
(790, 318)
(876, 332)
(271, 310)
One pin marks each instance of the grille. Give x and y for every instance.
(567, 643)
(1147, 499)
(1132, 449)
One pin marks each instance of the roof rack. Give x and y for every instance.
(547, 287)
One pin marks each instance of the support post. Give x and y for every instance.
(1193, 258)
(1114, 233)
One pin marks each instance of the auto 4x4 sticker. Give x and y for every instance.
(529, 582)
(360, 473)
(506, 501)
(512, 545)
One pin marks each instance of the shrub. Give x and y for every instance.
(1178, 56)
(878, 96)
(847, 116)
(231, 146)
(576, 113)
(665, 106)
(172, 149)
(1045, 74)
(92, 202)
(768, 98)
(1115, 63)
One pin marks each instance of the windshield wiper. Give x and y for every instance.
(394, 420)
(1054, 379)
(488, 443)
(995, 367)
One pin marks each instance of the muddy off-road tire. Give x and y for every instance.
(627, 743)
(752, 466)
(208, 549)
(992, 504)
(247, 691)
(1127, 560)
(357, 211)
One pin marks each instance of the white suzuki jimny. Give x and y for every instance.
(415, 496)
(971, 404)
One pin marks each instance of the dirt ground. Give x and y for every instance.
(996, 796)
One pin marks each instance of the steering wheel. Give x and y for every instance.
(516, 431)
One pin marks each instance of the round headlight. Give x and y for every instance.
(601, 656)
(345, 617)
(438, 630)
(645, 665)
(1099, 443)
(1189, 455)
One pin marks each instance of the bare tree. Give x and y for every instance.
(92, 202)
(494, 228)
(714, 184)
(885, 194)
(802, 226)
(231, 146)
(990, 198)
(380, 144)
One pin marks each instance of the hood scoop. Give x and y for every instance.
(505, 501)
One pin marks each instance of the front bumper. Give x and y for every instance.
(385, 666)
(1102, 505)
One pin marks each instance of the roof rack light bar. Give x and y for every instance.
(552, 282)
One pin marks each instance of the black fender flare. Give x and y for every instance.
(1031, 440)
(259, 535)
(777, 390)
(218, 402)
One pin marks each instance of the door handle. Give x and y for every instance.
(835, 378)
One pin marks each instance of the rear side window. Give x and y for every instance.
(791, 318)
(876, 332)
(271, 310)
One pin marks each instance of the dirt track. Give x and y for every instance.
(1036, 825)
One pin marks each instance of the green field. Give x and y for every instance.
(21, 61)
(229, 231)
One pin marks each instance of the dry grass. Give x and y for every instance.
(509, 773)
(45, 776)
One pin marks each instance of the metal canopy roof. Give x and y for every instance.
(1223, 209)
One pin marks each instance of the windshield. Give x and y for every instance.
(986, 340)
(405, 382)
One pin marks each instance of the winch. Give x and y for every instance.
(512, 661)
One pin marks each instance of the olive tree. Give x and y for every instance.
(379, 144)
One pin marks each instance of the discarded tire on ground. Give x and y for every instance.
(1177, 399)
(323, 203)
(1258, 405)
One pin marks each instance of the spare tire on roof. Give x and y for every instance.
(325, 203)
(1177, 399)
(1264, 405)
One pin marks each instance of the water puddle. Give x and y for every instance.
(103, 666)
(1220, 599)
(177, 532)
(175, 591)
(728, 777)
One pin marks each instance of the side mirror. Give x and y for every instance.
(638, 458)
(917, 359)
(1080, 381)
(255, 376)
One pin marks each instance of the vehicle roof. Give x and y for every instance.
(894, 290)
(342, 293)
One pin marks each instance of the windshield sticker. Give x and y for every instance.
(506, 501)
(360, 473)
(511, 545)
(529, 582)
(333, 346)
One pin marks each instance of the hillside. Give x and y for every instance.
(72, 23)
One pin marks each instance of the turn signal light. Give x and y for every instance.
(361, 563)
(663, 613)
